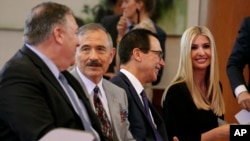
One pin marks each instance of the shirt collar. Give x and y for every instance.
(135, 82)
(51, 65)
(89, 85)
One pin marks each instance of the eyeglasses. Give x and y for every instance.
(157, 52)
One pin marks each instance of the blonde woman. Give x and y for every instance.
(193, 101)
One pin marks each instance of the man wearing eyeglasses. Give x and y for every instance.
(141, 59)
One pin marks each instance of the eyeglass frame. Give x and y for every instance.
(157, 52)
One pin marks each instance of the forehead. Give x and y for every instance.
(200, 39)
(71, 21)
(97, 34)
(154, 43)
(95, 37)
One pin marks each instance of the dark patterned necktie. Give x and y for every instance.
(145, 101)
(83, 114)
(102, 115)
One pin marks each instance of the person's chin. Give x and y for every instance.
(155, 78)
(72, 64)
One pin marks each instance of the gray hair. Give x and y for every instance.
(41, 20)
(94, 27)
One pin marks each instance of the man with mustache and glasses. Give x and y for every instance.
(93, 56)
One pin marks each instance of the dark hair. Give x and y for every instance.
(103, 9)
(41, 20)
(149, 6)
(137, 38)
(110, 3)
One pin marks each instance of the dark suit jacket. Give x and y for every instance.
(183, 119)
(240, 56)
(110, 22)
(139, 124)
(32, 101)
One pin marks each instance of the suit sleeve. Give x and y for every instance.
(22, 106)
(239, 56)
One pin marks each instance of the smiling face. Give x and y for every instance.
(153, 60)
(94, 54)
(201, 53)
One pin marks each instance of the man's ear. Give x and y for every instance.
(112, 54)
(58, 34)
(137, 54)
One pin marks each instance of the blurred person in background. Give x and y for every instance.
(239, 58)
(136, 14)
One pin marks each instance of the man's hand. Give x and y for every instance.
(244, 100)
(121, 28)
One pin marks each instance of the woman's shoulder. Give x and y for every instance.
(178, 86)
(147, 24)
(178, 89)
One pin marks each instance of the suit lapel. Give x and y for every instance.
(111, 98)
(157, 119)
(77, 87)
(110, 94)
(45, 71)
(113, 105)
(155, 115)
(76, 75)
(133, 93)
(72, 82)
(80, 93)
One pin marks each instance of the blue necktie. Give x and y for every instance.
(145, 101)
(77, 104)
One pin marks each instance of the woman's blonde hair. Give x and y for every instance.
(213, 99)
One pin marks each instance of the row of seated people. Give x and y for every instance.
(49, 97)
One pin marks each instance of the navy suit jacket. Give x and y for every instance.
(110, 22)
(139, 124)
(32, 101)
(240, 57)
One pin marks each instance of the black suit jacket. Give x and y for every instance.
(110, 22)
(240, 56)
(32, 101)
(139, 124)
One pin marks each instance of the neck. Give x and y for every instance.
(135, 72)
(52, 51)
(142, 16)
